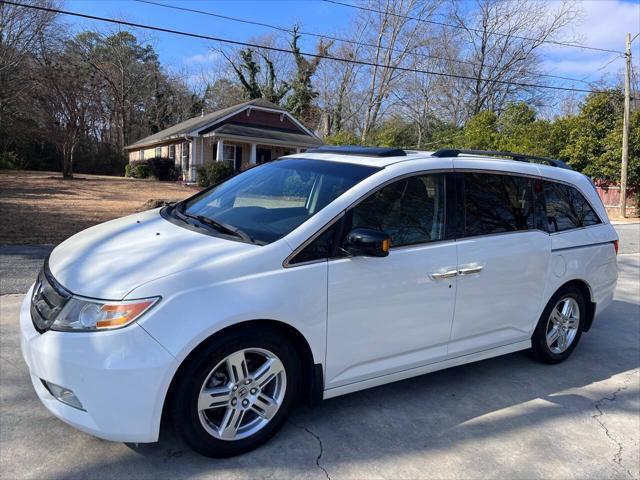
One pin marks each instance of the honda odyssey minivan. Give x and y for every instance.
(313, 276)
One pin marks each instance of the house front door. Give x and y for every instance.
(263, 155)
(237, 163)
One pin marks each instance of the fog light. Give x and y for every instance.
(62, 394)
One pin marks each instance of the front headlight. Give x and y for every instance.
(90, 315)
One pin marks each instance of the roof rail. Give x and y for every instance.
(520, 157)
(359, 151)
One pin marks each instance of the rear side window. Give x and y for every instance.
(497, 203)
(567, 208)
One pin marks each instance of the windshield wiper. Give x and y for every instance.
(210, 222)
(223, 227)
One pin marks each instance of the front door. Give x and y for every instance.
(237, 163)
(393, 313)
(502, 263)
(263, 155)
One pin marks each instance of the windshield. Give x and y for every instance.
(267, 202)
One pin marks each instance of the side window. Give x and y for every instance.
(320, 248)
(567, 208)
(410, 211)
(497, 203)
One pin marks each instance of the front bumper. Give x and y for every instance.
(121, 377)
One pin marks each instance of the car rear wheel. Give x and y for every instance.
(560, 326)
(236, 393)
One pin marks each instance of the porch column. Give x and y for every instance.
(252, 157)
(193, 158)
(220, 150)
(298, 149)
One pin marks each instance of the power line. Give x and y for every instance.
(635, 36)
(442, 24)
(335, 38)
(609, 62)
(284, 50)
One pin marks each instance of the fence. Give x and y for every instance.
(610, 196)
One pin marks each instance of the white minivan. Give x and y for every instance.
(316, 275)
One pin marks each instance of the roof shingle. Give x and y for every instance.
(194, 123)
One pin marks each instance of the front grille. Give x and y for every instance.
(47, 300)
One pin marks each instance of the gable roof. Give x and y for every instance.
(197, 123)
(276, 135)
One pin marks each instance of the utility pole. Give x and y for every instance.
(625, 129)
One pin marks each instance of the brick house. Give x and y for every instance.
(247, 134)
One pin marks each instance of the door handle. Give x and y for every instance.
(470, 270)
(443, 275)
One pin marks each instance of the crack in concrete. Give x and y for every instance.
(317, 437)
(617, 458)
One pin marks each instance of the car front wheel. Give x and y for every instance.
(236, 392)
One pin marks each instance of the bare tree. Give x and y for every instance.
(339, 85)
(502, 39)
(396, 38)
(20, 31)
(129, 69)
(65, 97)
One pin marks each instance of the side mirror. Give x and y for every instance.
(367, 242)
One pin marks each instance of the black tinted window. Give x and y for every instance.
(497, 203)
(567, 208)
(410, 211)
(318, 249)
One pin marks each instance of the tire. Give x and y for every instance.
(217, 423)
(542, 346)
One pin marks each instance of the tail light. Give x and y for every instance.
(615, 246)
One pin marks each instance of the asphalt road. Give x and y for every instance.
(508, 417)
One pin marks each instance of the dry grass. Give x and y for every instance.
(41, 207)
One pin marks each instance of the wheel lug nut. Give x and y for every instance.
(247, 381)
(245, 403)
(233, 402)
(254, 391)
(235, 387)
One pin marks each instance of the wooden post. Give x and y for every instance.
(625, 129)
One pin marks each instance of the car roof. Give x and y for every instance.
(381, 158)
(373, 161)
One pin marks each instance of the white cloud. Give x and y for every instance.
(603, 24)
(203, 58)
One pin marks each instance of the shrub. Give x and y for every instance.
(127, 170)
(140, 171)
(158, 168)
(296, 186)
(212, 173)
(9, 161)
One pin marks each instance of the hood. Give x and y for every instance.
(109, 260)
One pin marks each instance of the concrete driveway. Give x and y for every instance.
(507, 417)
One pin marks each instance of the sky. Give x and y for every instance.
(603, 23)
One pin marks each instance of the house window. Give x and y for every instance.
(229, 152)
(158, 152)
(172, 152)
(141, 155)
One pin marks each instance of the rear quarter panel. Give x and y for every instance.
(585, 254)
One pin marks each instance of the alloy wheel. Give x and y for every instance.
(242, 394)
(562, 325)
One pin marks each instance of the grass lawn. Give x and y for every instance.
(41, 207)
